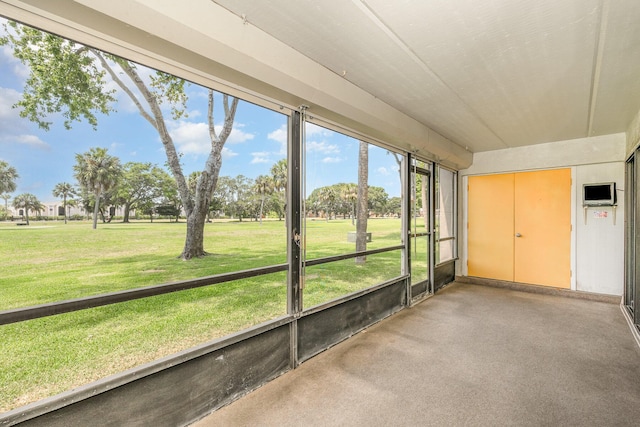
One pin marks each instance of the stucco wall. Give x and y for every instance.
(597, 246)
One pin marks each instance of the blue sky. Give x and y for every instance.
(45, 158)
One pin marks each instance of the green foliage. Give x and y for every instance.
(341, 198)
(168, 211)
(141, 186)
(64, 190)
(377, 199)
(172, 89)
(98, 173)
(394, 206)
(63, 77)
(27, 202)
(8, 176)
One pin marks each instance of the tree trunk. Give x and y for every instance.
(127, 208)
(195, 207)
(363, 199)
(353, 212)
(261, 207)
(398, 159)
(64, 205)
(95, 211)
(194, 242)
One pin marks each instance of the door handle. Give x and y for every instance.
(518, 235)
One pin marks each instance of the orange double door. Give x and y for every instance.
(519, 227)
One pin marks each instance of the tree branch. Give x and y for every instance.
(229, 114)
(134, 77)
(212, 129)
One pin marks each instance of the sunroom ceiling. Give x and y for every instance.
(485, 74)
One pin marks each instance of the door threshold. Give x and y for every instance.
(419, 299)
(539, 289)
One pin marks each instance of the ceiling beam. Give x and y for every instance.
(597, 63)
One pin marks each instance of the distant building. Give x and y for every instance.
(55, 210)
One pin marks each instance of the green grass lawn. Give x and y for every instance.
(51, 261)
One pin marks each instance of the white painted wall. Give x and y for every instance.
(597, 247)
(600, 242)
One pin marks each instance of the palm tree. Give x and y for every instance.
(263, 186)
(6, 198)
(27, 201)
(349, 193)
(328, 197)
(71, 203)
(64, 190)
(98, 172)
(8, 176)
(279, 176)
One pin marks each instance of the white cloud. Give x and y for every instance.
(237, 136)
(14, 128)
(226, 153)
(322, 147)
(6, 54)
(331, 160)
(312, 130)
(8, 97)
(383, 171)
(30, 140)
(193, 138)
(194, 114)
(190, 138)
(260, 157)
(281, 137)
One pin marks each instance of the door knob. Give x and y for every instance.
(518, 235)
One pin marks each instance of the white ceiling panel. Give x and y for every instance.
(517, 64)
(617, 95)
(486, 74)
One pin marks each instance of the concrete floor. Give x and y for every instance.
(472, 356)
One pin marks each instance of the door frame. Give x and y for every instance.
(463, 242)
(415, 293)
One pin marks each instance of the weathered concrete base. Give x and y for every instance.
(351, 237)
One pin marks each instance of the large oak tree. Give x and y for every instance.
(69, 78)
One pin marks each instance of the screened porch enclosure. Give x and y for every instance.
(341, 224)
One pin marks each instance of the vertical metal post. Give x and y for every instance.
(294, 230)
(629, 227)
(432, 227)
(635, 289)
(406, 221)
(455, 215)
